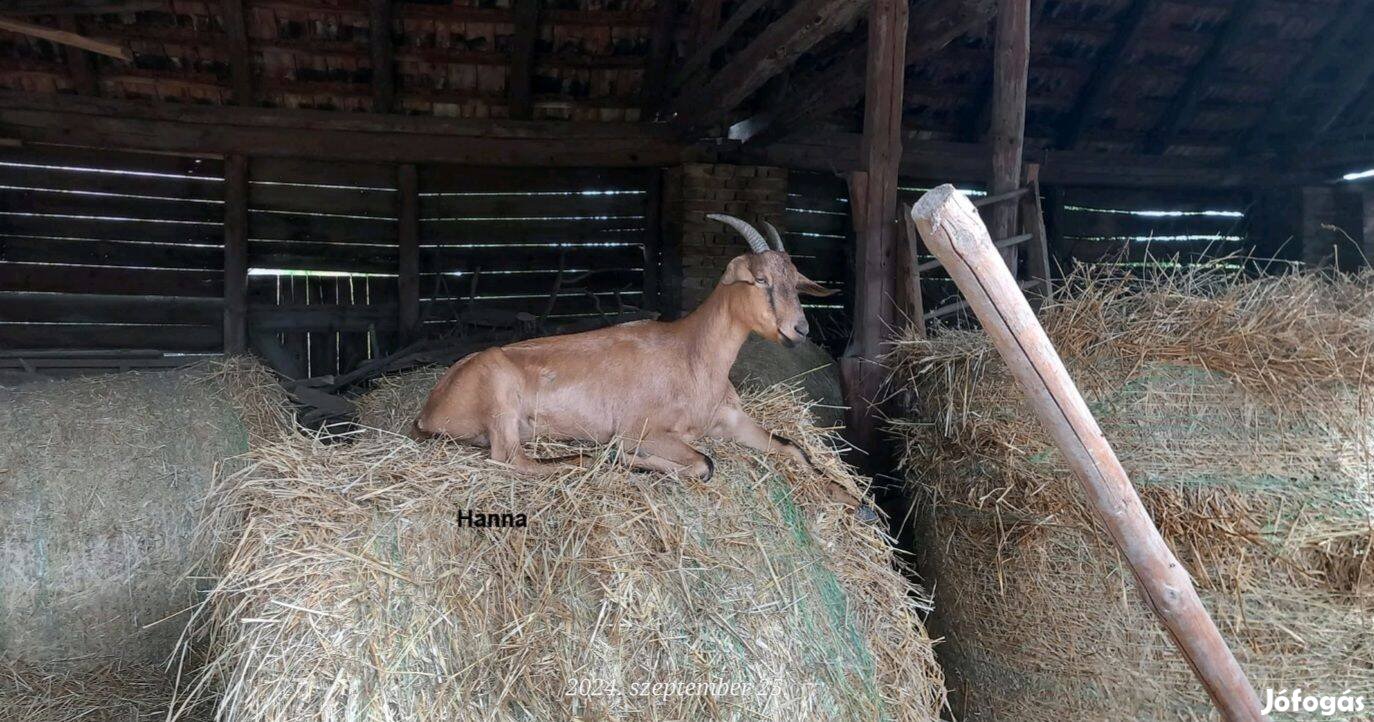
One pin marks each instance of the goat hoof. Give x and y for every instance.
(710, 468)
(866, 514)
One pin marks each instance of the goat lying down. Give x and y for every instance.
(652, 386)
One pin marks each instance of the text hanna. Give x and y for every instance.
(480, 520)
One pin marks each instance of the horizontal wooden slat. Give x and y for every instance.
(442, 311)
(1076, 223)
(187, 188)
(817, 223)
(72, 204)
(104, 229)
(515, 205)
(293, 170)
(458, 258)
(86, 308)
(110, 253)
(1143, 199)
(289, 227)
(369, 259)
(824, 203)
(123, 281)
(311, 199)
(168, 338)
(503, 284)
(544, 231)
(39, 154)
(325, 317)
(454, 178)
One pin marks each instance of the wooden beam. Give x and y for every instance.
(408, 236)
(952, 231)
(968, 163)
(1096, 91)
(240, 63)
(1007, 134)
(816, 95)
(522, 46)
(1330, 48)
(79, 63)
(774, 50)
(1355, 76)
(701, 56)
(65, 37)
(78, 7)
(281, 133)
(1179, 113)
(382, 51)
(235, 254)
(875, 201)
(654, 84)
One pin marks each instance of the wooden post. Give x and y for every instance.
(952, 230)
(874, 199)
(240, 66)
(408, 253)
(235, 254)
(521, 84)
(1011, 62)
(383, 58)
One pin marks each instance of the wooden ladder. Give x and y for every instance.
(1030, 232)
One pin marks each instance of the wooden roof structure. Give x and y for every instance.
(1202, 78)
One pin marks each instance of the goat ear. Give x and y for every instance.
(811, 288)
(737, 272)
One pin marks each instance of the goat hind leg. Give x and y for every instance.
(671, 455)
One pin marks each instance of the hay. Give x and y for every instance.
(1241, 410)
(100, 480)
(348, 590)
(110, 692)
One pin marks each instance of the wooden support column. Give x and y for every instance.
(521, 83)
(382, 51)
(79, 62)
(1007, 135)
(408, 239)
(240, 67)
(653, 240)
(235, 254)
(873, 197)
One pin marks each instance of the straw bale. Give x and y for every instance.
(110, 692)
(100, 480)
(349, 588)
(1240, 409)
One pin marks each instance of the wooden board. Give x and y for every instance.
(76, 308)
(167, 338)
(110, 253)
(87, 279)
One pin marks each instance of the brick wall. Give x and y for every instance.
(697, 248)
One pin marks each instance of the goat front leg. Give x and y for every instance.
(669, 454)
(736, 425)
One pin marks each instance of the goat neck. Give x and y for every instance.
(715, 331)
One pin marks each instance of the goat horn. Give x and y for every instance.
(774, 238)
(751, 235)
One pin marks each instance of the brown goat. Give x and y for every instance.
(652, 386)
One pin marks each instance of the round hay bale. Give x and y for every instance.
(110, 692)
(394, 401)
(1238, 410)
(100, 481)
(354, 585)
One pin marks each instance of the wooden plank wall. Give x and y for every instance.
(819, 234)
(110, 250)
(1103, 225)
(322, 253)
(494, 244)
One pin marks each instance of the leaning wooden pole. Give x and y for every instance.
(953, 231)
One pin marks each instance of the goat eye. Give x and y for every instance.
(761, 280)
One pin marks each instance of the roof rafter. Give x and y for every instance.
(1097, 89)
(702, 55)
(933, 25)
(1204, 75)
(774, 50)
(66, 37)
(1332, 45)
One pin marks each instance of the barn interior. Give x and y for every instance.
(347, 189)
